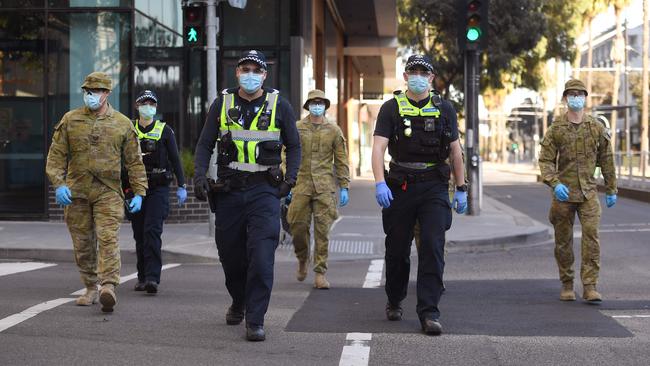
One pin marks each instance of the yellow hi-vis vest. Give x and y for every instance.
(247, 140)
(408, 109)
(155, 133)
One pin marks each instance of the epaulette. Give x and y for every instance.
(225, 91)
(397, 92)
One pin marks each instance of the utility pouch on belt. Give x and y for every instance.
(269, 153)
(227, 149)
(212, 200)
(220, 185)
(275, 176)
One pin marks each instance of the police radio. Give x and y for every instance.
(225, 143)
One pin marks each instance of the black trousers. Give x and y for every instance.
(247, 233)
(147, 227)
(427, 203)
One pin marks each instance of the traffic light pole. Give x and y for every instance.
(472, 152)
(212, 29)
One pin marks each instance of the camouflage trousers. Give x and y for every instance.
(322, 207)
(94, 221)
(562, 216)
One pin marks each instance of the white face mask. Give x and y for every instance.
(92, 100)
(147, 111)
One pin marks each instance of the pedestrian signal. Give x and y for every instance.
(194, 26)
(472, 24)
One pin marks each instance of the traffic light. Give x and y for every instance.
(472, 24)
(194, 26)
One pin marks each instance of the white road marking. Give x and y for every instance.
(373, 278)
(11, 320)
(14, 319)
(335, 222)
(127, 278)
(630, 316)
(356, 351)
(17, 267)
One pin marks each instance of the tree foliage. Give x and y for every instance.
(522, 34)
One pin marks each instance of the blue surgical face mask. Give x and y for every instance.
(250, 82)
(147, 111)
(317, 109)
(575, 102)
(92, 100)
(418, 84)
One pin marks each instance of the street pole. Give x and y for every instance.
(472, 137)
(644, 87)
(212, 29)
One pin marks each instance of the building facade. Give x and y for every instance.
(346, 48)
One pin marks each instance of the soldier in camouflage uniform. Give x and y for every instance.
(89, 146)
(314, 194)
(573, 147)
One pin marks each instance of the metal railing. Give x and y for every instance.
(632, 169)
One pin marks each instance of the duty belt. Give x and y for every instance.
(403, 177)
(238, 181)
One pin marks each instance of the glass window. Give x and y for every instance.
(149, 33)
(256, 25)
(331, 64)
(22, 140)
(166, 12)
(89, 3)
(81, 43)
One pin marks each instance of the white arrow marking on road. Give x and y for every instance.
(14, 319)
(11, 268)
(11, 320)
(356, 351)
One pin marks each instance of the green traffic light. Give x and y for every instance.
(191, 35)
(473, 34)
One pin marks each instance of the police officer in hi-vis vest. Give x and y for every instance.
(249, 125)
(162, 161)
(420, 131)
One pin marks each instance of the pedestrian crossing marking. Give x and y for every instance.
(18, 267)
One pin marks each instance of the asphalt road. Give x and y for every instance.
(500, 308)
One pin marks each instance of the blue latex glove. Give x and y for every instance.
(181, 193)
(610, 199)
(63, 196)
(287, 199)
(561, 192)
(383, 194)
(135, 204)
(344, 197)
(460, 202)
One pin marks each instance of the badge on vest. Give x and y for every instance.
(429, 125)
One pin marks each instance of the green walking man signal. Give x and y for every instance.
(191, 35)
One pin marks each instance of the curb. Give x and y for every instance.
(627, 192)
(533, 237)
(67, 255)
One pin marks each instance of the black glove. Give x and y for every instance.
(284, 188)
(201, 187)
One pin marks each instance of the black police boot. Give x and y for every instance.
(139, 286)
(151, 287)
(393, 312)
(255, 333)
(431, 326)
(235, 315)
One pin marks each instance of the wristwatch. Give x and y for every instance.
(462, 188)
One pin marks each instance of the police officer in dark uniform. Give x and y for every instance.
(249, 125)
(161, 160)
(420, 131)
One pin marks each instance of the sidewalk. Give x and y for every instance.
(498, 225)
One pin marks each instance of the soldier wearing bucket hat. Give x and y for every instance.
(89, 146)
(572, 148)
(323, 171)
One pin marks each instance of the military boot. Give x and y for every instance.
(567, 293)
(393, 312)
(107, 297)
(301, 273)
(590, 294)
(320, 282)
(89, 298)
(235, 314)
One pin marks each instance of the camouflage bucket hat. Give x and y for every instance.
(316, 94)
(575, 84)
(98, 80)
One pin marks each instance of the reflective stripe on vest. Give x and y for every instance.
(155, 133)
(408, 109)
(246, 140)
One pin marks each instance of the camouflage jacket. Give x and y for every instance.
(323, 152)
(85, 145)
(570, 154)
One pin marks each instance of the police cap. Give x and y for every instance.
(147, 95)
(419, 60)
(253, 56)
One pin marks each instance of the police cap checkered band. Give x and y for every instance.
(253, 56)
(147, 94)
(419, 60)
